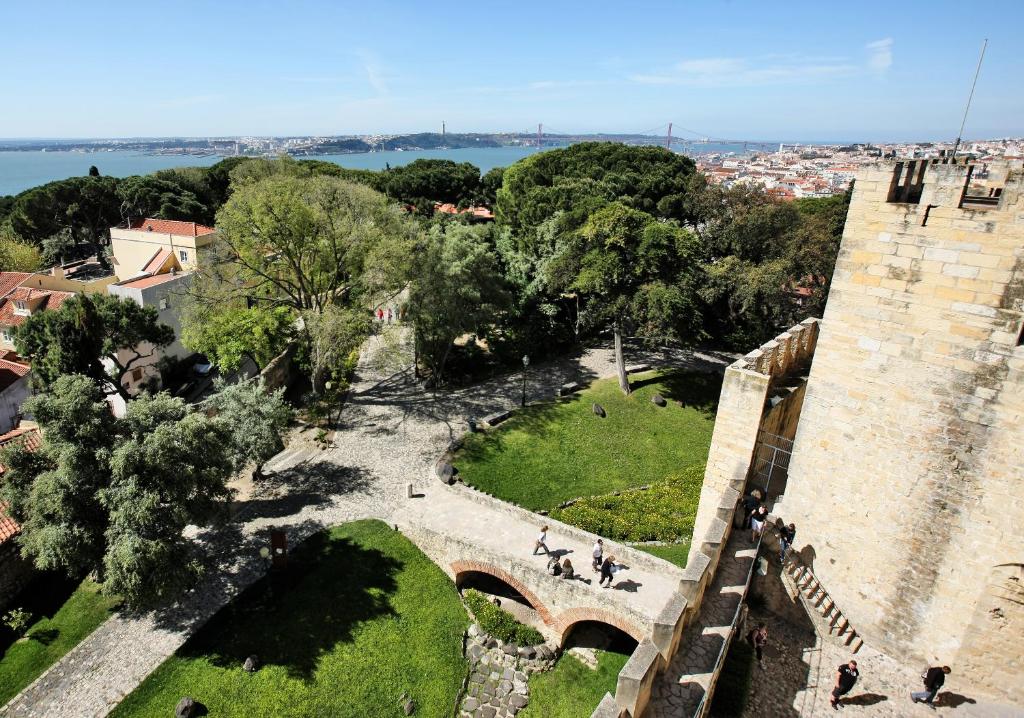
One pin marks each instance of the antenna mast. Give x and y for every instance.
(970, 97)
(668, 140)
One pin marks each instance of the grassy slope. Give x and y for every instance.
(552, 452)
(361, 616)
(673, 553)
(571, 689)
(50, 638)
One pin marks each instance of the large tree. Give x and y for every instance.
(148, 196)
(87, 206)
(113, 496)
(308, 243)
(96, 335)
(228, 333)
(456, 288)
(633, 272)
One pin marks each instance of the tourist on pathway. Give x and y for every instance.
(786, 536)
(598, 554)
(750, 503)
(389, 315)
(553, 566)
(757, 522)
(567, 570)
(607, 567)
(846, 678)
(542, 541)
(380, 314)
(933, 678)
(758, 638)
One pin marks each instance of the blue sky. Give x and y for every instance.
(736, 69)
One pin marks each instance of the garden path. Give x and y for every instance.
(391, 430)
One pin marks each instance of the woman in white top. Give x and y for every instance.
(598, 554)
(542, 540)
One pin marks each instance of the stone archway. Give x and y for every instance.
(461, 568)
(570, 617)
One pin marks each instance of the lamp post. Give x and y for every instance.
(526, 363)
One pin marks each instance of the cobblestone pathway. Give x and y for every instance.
(679, 690)
(391, 431)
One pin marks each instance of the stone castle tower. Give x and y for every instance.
(907, 475)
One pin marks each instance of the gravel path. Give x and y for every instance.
(391, 432)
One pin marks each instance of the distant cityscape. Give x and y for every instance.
(788, 171)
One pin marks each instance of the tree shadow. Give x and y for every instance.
(42, 596)
(294, 616)
(310, 483)
(698, 390)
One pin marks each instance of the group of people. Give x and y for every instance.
(755, 518)
(386, 314)
(933, 677)
(606, 566)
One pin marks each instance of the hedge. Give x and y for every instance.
(498, 622)
(663, 512)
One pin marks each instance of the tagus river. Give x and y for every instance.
(21, 170)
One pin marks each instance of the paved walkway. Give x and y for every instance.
(391, 430)
(679, 690)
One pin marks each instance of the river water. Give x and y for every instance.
(21, 170)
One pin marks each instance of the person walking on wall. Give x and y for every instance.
(787, 534)
(542, 540)
(607, 568)
(758, 638)
(757, 521)
(750, 503)
(846, 679)
(598, 554)
(933, 678)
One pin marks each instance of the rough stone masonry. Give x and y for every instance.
(906, 478)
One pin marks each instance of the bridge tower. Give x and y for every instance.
(668, 139)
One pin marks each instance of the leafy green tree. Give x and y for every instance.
(145, 196)
(17, 255)
(228, 333)
(534, 188)
(308, 243)
(490, 183)
(113, 496)
(88, 206)
(633, 272)
(255, 418)
(332, 335)
(433, 181)
(456, 288)
(87, 332)
(94, 171)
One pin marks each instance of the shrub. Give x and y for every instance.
(498, 622)
(664, 512)
(18, 620)
(733, 687)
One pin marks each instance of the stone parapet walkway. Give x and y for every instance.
(679, 690)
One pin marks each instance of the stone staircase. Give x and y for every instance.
(820, 605)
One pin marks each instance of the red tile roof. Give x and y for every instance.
(143, 282)
(51, 299)
(449, 208)
(10, 280)
(154, 264)
(31, 439)
(10, 372)
(171, 226)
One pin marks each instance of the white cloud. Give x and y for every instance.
(880, 54)
(375, 74)
(776, 69)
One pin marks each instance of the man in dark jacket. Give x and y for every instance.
(846, 678)
(933, 678)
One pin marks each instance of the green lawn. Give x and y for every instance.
(551, 452)
(51, 637)
(571, 689)
(360, 617)
(673, 553)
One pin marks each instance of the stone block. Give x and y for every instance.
(569, 388)
(497, 417)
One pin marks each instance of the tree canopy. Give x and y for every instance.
(115, 495)
(95, 335)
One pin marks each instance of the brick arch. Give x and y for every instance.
(459, 568)
(570, 617)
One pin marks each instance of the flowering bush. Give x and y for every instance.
(663, 512)
(498, 622)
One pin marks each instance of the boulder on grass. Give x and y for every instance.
(599, 410)
(252, 664)
(445, 471)
(186, 708)
(659, 400)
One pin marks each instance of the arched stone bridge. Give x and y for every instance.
(465, 532)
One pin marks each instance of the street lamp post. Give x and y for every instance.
(526, 363)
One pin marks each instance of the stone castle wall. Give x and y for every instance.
(906, 479)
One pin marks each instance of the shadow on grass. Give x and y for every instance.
(42, 597)
(695, 389)
(294, 616)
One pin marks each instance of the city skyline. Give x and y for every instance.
(735, 70)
